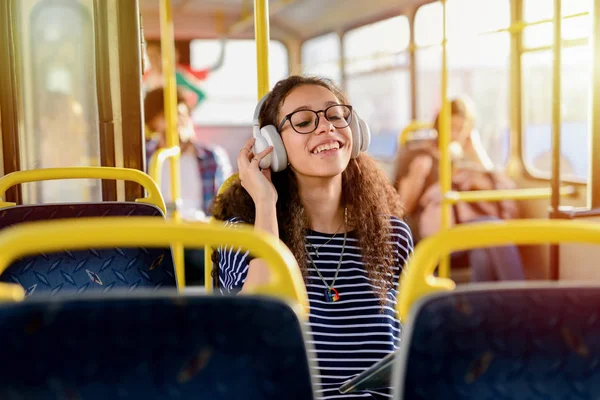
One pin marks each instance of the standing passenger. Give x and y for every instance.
(203, 170)
(336, 211)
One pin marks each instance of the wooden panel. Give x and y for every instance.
(9, 96)
(130, 70)
(105, 107)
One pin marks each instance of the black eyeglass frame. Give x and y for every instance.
(289, 118)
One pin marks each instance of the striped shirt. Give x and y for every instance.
(352, 334)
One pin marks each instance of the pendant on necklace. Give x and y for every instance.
(331, 295)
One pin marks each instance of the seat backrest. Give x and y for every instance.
(42, 212)
(81, 271)
(520, 341)
(153, 347)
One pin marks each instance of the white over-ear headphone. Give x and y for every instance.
(277, 159)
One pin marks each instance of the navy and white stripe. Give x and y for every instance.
(352, 334)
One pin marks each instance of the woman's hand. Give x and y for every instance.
(257, 182)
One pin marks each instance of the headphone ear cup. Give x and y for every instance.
(365, 134)
(355, 127)
(277, 159)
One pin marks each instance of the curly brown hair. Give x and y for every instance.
(366, 192)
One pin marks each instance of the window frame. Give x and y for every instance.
(528, 170)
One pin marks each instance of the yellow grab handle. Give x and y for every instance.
(48, 174)
(419, 281)
(46, 236)
(413, 127)
(158, 160)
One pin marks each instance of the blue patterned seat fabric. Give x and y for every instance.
(43, 212)
(519, 343)
(93, 270)
(89, 270)
(152, 347)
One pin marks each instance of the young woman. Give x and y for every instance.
(338, 214)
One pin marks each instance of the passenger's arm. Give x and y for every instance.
(266, 221)
(258, 184)
(412, 185)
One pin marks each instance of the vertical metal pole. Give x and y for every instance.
(261, 33)
(172, 136)
(556, 122)
(444, 143)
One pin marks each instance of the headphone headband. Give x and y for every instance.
(258, 109)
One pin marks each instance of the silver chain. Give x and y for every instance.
(341, 254)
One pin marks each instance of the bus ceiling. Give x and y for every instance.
(289, 19)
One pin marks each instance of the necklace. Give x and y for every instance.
(331, 294)
(316, 249)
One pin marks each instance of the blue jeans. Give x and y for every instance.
(502, 263)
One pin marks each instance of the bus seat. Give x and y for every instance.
(40, 212)
(80, 271)
(502, 340)
(153, 346)
(93, 270)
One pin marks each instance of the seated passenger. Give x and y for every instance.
(339, 216)
(203, 168)
(416, 179)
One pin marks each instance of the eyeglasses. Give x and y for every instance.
(307, 121)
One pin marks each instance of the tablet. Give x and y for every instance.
(377, 376)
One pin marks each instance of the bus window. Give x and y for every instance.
(537, 112)
(321, 56)
(59, 95)
(231, 90)
(478, 66)
(537, 10)
(536, 62)
(378, 80)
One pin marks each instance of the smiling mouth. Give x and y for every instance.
(327, 147)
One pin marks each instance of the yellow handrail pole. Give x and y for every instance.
(167, 38)
(556, 121)
(444, 144)
(261, 37)
(261, 33)
(507, 194)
